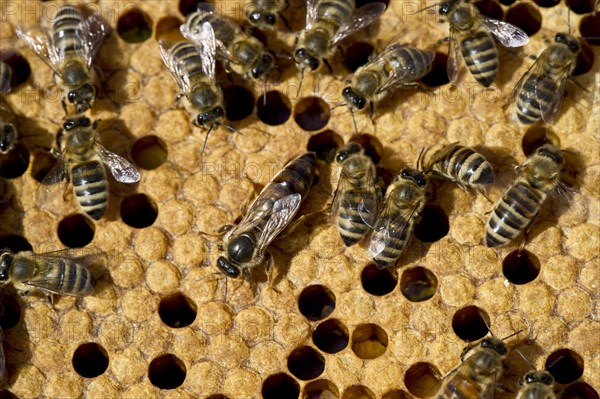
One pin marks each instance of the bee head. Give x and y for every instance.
(414, 175)
(571, 42)
(494, 344)
(211, 116)
(6, 259)
(82, 97)
(7, 141)
(352, 99)
(551, 152)
(227, 268)
(258, 18)
(264, 66)
(303, 58)
(543, 377)
(345, 151)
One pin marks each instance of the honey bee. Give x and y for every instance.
(397, 65)
(58, 272)
(69, 51)
(8, 121)
(539, 93)
(461, 165)
(328, 22)
(474, 378)
(403, 204)
(243, 54)
(264, 13)
(517, 209)
(6, 78)
(537, 385)
(473, 32)
(193, 68)
(356, 198)
(274, 208)
(81, 161)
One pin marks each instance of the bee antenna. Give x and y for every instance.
(353, 121)
(265, 91)
(300, 85)
(206, 139)
(231, 128)
(418, 166)
(336, 106)
(512, 335)
(428, 7)
(524, 358)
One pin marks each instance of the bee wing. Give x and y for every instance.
(441, 154)
(173, 65)
(507, 34)
(121, 169)
(452, 66)
(361, 18)
(49, 194)
(93, 31)
(311, 12)
(39, 42)
(536, 66)
(284, 210)
(206, 44)
(396, 77)
(560, 80)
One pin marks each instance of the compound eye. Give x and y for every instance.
(200, 119)
(560, 38)
(300, 53)
(219, 112)
(8, 129)
(313, 63)
(255, 17)
(574, 46)
(71, 96)
(404, 173)
(361, 102)
(85, 122)
(68, 125)
(270, 19)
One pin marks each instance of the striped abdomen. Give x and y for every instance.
(460, 387)
(536, 98)
(465, 165)
(409, 63)
(225, 30)
(514, 213)
(481, 56)
(90, 187)
(357, 208)
(66, 30)
(394, 244)
(68, 277)
(333, 13)
(5, 78)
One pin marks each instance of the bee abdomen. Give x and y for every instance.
(68, 277)
(91, 188)
(468, 166)
(299, 175)
(5, 77)
(535, 99)
(412, 63)
(225, 32)
(481, 57)
(513, 214)
(352, 219)
(461, 388)
(335, 13)
(394, 246)
(67, 31)
(188, 58)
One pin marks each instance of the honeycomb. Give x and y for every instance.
(164, 323)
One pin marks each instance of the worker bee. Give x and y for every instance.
(539, 93)
(474, 34)
(243, 54)
(6, 78)
(461, 165)
(264, 13)
(403, 204)
(517, 209)
(328, 22)
(274, 208)
(537, 385)
(474, 378)
(397, 65)
(357, 196)
(60, 272)
(69, 51)
(193, 68)
(81, 162)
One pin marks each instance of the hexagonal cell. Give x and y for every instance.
(274, 110)
(438, 76)
(42, 163)
(324, 143)
(589, 29)
(521, 267)
(378, 281)
(356, 55)
(418, 284)
(316, 302)
(188, 6)
(239, 102)
(369, 341)
(149, 152)
(168, 28)
(321, 389)
(177, 310)
(90, 360)
(547, 3)
(525, 16)
(579, 390)
(167, 371)
(585, 59)
(371, 144)
(280, 385)
(396, 394)
(139, 211)
(15, 162)
(580, 6)
(305, 363)
(490, 9)
(471, 323)
(537, 136)
(15, 243)
(433, 225)
(565, 365)
(422, 380)
(311, 113)
(135, 26)
(10, 311)
(358, 392)
(331, 336)
(21, 71)
(76, 231)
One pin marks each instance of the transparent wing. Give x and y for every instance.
(440, 154)
(173, 66)
(453, 56)
(507, 34)
(534, 68)
(398, 76)
(206, 44)
(39, 42)
(50, 193)
(560, 80)
(93, 31)
(283, 212)
(311, 12)
(121, 169)
(362, 18)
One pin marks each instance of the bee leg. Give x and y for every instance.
(269, 270)
(371, 111)
(286, 23)
(64, 105)
(328, 65)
